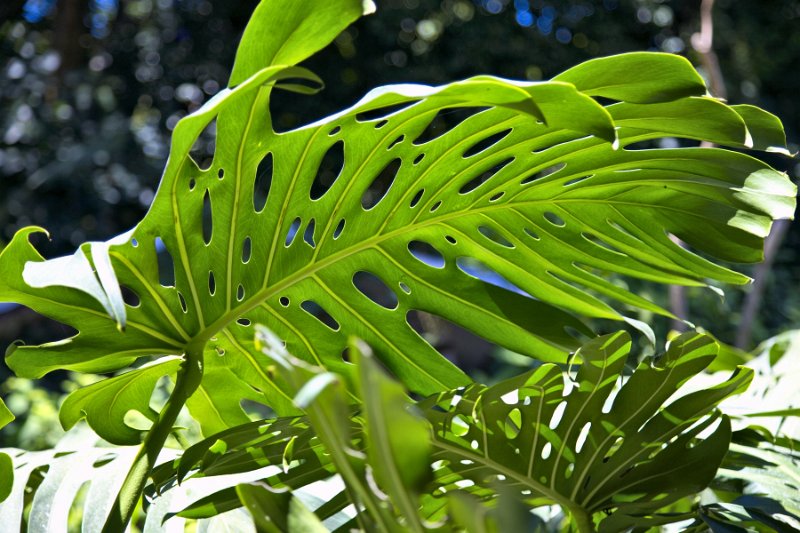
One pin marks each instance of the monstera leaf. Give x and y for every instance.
(627, 450)
(350, 225)
(6, 465)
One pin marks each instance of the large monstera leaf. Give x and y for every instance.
(349, 225)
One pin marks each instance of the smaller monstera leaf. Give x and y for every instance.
(585, 450)
(6, 465)
(104, 404)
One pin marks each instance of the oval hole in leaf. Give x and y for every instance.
(450, 239)
(418, 159)
(582, 437)
(405, 288)
(330, 168)
(247, 249)
(202, 151)
(485, 176)
(244, 322)
(182, 301)
(308, 234)
(532, 234)
(396, 142)
(263, 182)
(314, 309)
(208, 226)
(573, 181)
(192, 183)
(166, 267)
(459, 426)
(240, 292)
(495, 236)
(284, 301)
(129, 296)
(381, 124)
(292, 231)
(436, 206)
(417, 198)
(554, 219)
(375, 289)
(426, 253)
(380, 185)
(546, 449)
(446, 120)
(212, 284)
(486, 143)
(497, 196)
(338, 230)
(558, 414)
(478, 269)
(600, 243)
(221, 173)
(543, 173)
(513, 423)
(383, 112)
(335, 130)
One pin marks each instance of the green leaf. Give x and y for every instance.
(104, 404)
(531, 188)
(397, 437)
(285, 32)
(631, 459)
(639, 78)
(278, 512)
(6, 476)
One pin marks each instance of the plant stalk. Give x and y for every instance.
(188, 379)
(582, 520)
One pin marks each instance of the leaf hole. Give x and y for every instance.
(554, 219)
(134, 243)
(129, 296)
(294, 227)
(546, 449)
(308, 234)
(166, 266)
(202, 151)
(569, 470)
(478, 269)
(418, 159)
(426, 253)
(263, 182)
(240, 292)
(543, 173)
(244, 322)
(284, 301)
(436, 206)
(396, 142)
(192, 184)
(182, 302)
(405, 288)
(497, 196)
(314, 309)
(208, 227)
(459, 426)
(375, 289)
(335, 130)
(495, 236)
(485, 176)
(574, 181)
(582, 436)
(417, 198)
(558, 414)
(339, 227)
(221, 173)
(380, 185)
(486, 143)
(384, 111)
(513, 423)
(532, 234)
(329, 170)
(247, 249)
(381, 124)
(220, 350)
(212, 284)
(445, 121)
(600, 243)
(450, 239)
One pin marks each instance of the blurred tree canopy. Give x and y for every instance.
(90, 90)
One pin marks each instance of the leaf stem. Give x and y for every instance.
(582, 519)
(188, 379)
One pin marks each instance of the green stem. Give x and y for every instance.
(188, 379)
(582, 520)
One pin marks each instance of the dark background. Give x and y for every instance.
(90, 89)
